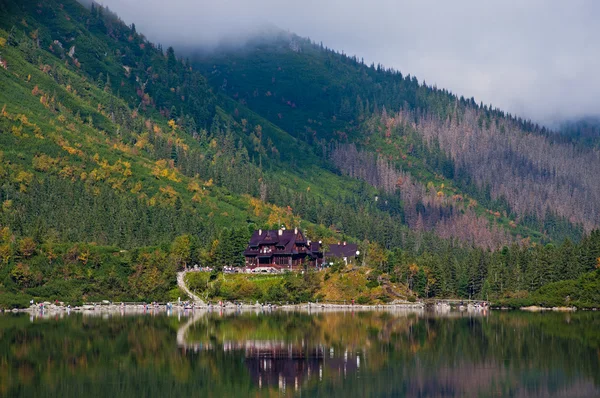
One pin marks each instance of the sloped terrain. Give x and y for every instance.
(121, 163)
(521, 177)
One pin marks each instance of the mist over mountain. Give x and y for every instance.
(533, 59)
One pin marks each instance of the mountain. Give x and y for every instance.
(506, 164)
(122, 162)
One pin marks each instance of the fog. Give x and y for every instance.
(536, 58)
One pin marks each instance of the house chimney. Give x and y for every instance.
(295, 230)
(260, 232)
(344, 243)
(280, 232)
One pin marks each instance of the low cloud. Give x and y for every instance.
(536, 58)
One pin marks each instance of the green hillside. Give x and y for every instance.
(128, 147)
(326, 98)
(121, 163)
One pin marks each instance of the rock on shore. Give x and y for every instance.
(535, 308)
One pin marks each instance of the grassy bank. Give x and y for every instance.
(583, 293)
(333, 285)
(76, 273)
(288, 287)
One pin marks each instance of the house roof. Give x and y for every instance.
(315, 247)
(342, 250)
(283, 239)
(285, 242)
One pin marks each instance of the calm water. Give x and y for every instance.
(318, 354)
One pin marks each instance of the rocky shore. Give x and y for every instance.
(535, 308)
(51, 309)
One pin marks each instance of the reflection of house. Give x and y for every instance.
(283, 364)
(288, 365)
(289, 249)
(286, 373)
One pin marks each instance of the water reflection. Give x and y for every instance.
(240, 353)
(285, 364)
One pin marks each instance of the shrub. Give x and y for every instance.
(24, 277)
(337, 266)
(11, 300)
(275, 294)
(176, 293)
(372, 284)
(248, 290)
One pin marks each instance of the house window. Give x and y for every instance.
(281, 260)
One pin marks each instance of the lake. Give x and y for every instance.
(341, 354)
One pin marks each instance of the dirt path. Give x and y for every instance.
(182, 286)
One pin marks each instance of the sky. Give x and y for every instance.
(539, 59)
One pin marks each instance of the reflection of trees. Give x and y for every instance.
(365, 353)
(132, 356)
(504, 354)
(537, 354)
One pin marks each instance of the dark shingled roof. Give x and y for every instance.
(342, 250)
(286, 240)
(315, 247)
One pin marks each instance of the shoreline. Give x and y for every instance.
(535, 308)
(48, 308)
(142, 308)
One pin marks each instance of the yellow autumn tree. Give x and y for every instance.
(256, 206)
(27, 247)
(44, 162)
(168, 195)
(181, 250)
(6, 252)
(193, 186)
(137, 187)
(160, 169)
(376, 256)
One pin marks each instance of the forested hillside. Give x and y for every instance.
(121, 162)
(537, 181)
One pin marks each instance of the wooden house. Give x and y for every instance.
(282, 249)
(290, 249)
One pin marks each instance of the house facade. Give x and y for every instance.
(290, 249)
